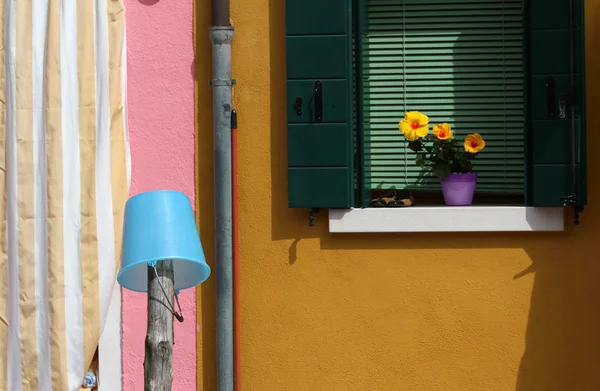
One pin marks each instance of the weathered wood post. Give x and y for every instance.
(160, 224)
(158, 360)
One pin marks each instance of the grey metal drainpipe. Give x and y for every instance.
(221, 35)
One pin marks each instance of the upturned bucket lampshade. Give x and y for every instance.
(159, 225)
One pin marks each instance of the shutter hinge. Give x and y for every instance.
(566, 103)
(311, 216)
(571, 200)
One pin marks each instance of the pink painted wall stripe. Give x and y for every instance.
(161, 124)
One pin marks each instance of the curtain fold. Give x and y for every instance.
(64, 182)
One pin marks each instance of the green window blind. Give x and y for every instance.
(457, 61)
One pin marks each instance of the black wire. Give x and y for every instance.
(179, 315)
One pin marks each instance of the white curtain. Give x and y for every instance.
(64, 169)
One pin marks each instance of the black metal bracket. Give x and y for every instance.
(571, 201)
(577, 210)
(318, 94)
(317, 97)
(311, 216)
(564, 102)
(221, 83)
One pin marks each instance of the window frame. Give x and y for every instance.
(363, 193)
(319, 34)
(494, 218)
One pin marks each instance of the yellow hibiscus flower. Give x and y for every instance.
(414, 125)
(443, 131)
(474, 143)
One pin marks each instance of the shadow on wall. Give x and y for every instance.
(562, 346)
(562, 349)
(563, 341)
(285, 221)
(202, 71)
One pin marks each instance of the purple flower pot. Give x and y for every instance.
(459, 189)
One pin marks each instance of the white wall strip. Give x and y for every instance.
(71, 192)
(15, 379)
(39, 23)
(110, 368)
(110, 351)
(105, 226)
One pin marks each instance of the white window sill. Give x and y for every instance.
(447, 219)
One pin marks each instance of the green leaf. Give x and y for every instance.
(462, 166)
(441, 170)
(420, 160)
(415, 146)
(440, 153)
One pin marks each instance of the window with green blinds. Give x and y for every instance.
(457, 61)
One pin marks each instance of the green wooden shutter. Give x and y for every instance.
(320, 150)
(554, 171)
(457, 61)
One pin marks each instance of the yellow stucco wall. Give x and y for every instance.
(387, 312)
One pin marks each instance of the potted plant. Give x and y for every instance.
(443, 154)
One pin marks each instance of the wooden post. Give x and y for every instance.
(158, 361)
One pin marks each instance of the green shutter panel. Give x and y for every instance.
(557, 160)
(319, 103)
